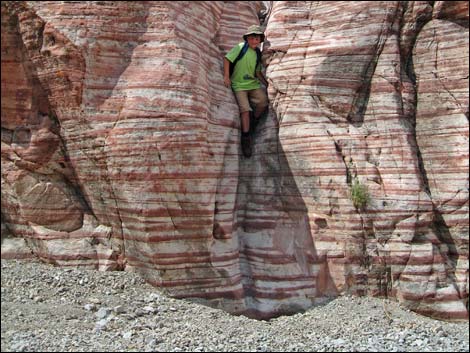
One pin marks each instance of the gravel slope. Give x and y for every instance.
(45, 308)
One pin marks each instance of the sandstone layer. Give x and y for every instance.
(120, 149)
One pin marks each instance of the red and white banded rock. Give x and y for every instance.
(343, 87)
(442, 131)
(120, 149)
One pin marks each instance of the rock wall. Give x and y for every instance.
(120, 149)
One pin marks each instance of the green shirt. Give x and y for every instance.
(242, 77)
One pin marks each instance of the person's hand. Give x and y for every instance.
(227, 82)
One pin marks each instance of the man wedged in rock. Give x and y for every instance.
(242, 72)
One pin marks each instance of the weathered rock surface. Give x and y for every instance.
(120, 149)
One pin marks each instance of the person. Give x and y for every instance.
(246, 82)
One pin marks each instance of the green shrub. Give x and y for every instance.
(359, 195)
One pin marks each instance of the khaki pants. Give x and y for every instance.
(256, 96)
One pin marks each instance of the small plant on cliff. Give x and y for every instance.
(359, 195)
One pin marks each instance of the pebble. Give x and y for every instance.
(47, 308)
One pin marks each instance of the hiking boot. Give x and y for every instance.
(246, 146)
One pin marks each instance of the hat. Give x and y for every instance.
(254, 30)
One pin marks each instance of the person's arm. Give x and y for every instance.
(227, 81)
(261, 77)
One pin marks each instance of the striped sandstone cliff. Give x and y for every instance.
(120, 149)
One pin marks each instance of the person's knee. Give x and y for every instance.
(263, 105)
(259, 101)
